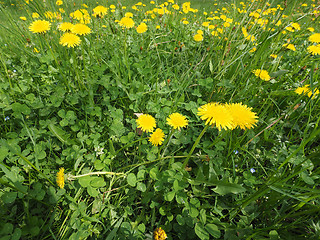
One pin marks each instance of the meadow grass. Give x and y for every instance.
(158, 120)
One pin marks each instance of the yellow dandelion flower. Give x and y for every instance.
(146, 122)
(311, 29)
(302, 90)
(177, 121)
(216, 113)
(69, 40)
(289, 46)
(185, 22)
(65, 26)
(129, 14)
(100, 11)
(35, 15)
(198, 37)
(262, 74)
(59, 2)
(314, 49)
(142, 28)
(23, 18)
(313, 93)
(157, 137)
(159, 234)
(242, 115)
(126, 22)
(80, 29)
(40, 26)
(273, 55)
(60, 178)
(315, 38)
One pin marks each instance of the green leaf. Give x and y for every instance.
(97, 182)
(3, 153)
(20, 108)
(201, 232)
(92, 191)
(85, 181)
(60, 134)
(213, 230)
(169, 196)
(9, 197)
(305, 177)
(224, 188)
(132, 180)
(279, 73)
(16, 234)
(141, 187)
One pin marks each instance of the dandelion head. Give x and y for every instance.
(40, 26)
(216, 114)
(146, 122)
(126, 22)
(65, 26)
(80, 29)
(177, 121)
(302, 90)
(315, 38)
(262, 74)
(198, 37)
(242, 116)
(100, 11)
(69, 40)
(159, 234)
(60, 178)
(142, 28)
(314, 49)
(157, 137)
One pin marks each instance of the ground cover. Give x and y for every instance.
(155, 120)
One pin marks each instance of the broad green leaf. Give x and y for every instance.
(224, 188)
(169, 196)
(9, 197)
(97, 182)
(213, 230)
(141, 187)
(85, 181)
(131, 179)
(201, 232)
(278, 73)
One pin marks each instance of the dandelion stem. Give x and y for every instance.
(94, 173)
(194, 146)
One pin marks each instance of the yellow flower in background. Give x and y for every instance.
(315, 38)
(216, 114)
(177, 121)
(126, 22)
(60, 178)
(289, 46)
(200, 32)
(313, 93)
(314, 49)
(198, 37)
(40, 26)
(273, 55)
(157, 137)
(36, 50)
(80, 29)
(35, 15)
(112, 6)
(311, 29)
(296, 26)
(23, 18)
(242, 116)
(69, 40)
(262, 74)
(65, 26)
(99, 11)
(253, 50)
(159, 234)
(129, 14)
(59, 2)
(142, 28)
(185, 22)
(146, 122)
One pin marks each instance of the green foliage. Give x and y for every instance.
(76, 109)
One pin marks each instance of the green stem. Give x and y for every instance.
(94, 173)
(194, 146)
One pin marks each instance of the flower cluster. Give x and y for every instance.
(306, 90)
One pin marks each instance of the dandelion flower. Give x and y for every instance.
(69, 40)
(302, 90)
(126, 22)
(80, 29)
(65, 26)
(159, 234)
(100, 11)
(216, 113)
(60, 178)
(242, 115)
(314, 49)
(142, 28)
(263, 74)
(289, 46)
(315, 38)
(23, 18)
(40, 26)
(177, 121)
(313, 93)
(59, 2)
(146, 122)
(35, 15)
(198, 37)
(156, 137)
